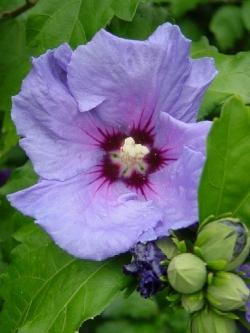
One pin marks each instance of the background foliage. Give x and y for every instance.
(42, 289)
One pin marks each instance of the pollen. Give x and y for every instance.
(130, 158)
(132, 151)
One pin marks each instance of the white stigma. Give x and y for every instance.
(133, 151)
(130, 157)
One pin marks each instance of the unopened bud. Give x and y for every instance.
(207, 321)
(224, 244)
(227, 292)
(187, 273)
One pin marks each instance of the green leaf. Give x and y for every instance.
(95, 14)
(13, 67)
(10, 222)
(77, 35)
(21, 178)
(80, 20)
(233, 77)
(180, 7)
(202, 47)
(66, 16)
(136, 314)
(190, 29)
(10, 4)
(10, 219)
(46, 290)
(227, 26)
(7, 134)
(225, 182)
(51, 23)
(245, 11)
(11, 56)
(145, 21)
(133, 306)
(125, 326)
(125, 10)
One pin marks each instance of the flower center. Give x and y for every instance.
(130, 157)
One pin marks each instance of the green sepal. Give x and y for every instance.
(181, 245)
(210, 278)
(230, 315)
(173, 298)
(218, 265)
(168, 247)
(207, 220)
(212, 218)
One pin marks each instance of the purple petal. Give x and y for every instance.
(117, 75)
(187, 105)
(175, 134)
(146, 267)
(127, 79)
(47, 118)
(149, 284)
(63, 56)
(85, 221)
(176, 191)
(182, 104)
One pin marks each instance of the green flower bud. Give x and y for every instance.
(193, 302)
(227, 291)
(224, 244)
(207, 321)
(187, 273)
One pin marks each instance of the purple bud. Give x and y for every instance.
(146, 267)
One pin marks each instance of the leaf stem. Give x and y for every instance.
(18, 10)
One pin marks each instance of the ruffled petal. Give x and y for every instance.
(187, 105)
(85, 220)
(125, 79)
(47, 117)
(175, 191)
(183, 101)
(63, 56)
(117, 75)
(173, 135)
(129, 80)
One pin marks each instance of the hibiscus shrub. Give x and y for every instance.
(124, 166)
